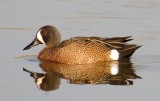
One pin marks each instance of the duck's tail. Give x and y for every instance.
(119, 43)
(127, 52)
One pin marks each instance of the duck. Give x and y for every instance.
(81, 50)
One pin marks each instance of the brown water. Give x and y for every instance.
(135, 80)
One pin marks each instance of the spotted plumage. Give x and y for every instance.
(81, 50)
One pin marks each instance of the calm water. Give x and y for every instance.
(137, 80)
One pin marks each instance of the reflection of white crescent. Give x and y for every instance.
(39, 81)
(114, 69)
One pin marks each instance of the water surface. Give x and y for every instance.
(20, 19)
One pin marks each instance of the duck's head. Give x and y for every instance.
(48, 35)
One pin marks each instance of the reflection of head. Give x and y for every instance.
(48, 82)
(45, 81)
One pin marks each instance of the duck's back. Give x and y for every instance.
(78, 50)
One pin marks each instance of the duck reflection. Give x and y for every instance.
(113, 73)
(45, 81)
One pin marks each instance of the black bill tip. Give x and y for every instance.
(32, 44)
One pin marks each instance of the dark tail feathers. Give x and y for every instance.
(128, 51)
(119, 43)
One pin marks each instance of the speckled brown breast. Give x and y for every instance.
(76, 51)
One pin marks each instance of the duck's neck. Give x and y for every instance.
(55, 40)
(52, 46)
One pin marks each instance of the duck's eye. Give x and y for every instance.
(39, 37)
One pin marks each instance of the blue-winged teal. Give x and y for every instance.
(81, 50)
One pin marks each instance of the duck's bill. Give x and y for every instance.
(32, 44)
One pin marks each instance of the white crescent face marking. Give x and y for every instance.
(39, 37)
(114, 55)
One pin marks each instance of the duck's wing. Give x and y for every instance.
(119, 43)
(118, 39)
(111, 43)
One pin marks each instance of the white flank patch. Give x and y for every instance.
(39, 37)
(114, 55)
(39, 82)
(114, 69)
